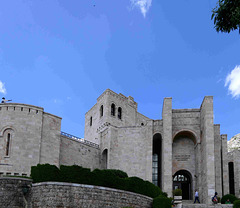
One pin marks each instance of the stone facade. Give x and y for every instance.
(183, 150)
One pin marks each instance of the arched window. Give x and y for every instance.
(8, 144)
(101, 111)
(7, 135)
(113, 109)
(91, 121)
(120, 113)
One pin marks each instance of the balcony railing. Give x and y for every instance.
(80, 139)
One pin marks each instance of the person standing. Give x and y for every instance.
(196, 197)
(4, 100)
(215, 198)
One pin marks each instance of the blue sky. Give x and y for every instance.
(61, 55)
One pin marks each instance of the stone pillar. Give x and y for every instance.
(225, 165)
(218, 159)
(207, 150)
(149, 151)
(167, 146)
(236, 163)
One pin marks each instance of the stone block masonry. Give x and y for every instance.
(61, 195)
(11, 194)
(55, 194)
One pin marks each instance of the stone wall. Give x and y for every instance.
(54, 194)
(207, 206)
(11, 193)
(74, 152)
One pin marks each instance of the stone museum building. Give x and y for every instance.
(184, 149)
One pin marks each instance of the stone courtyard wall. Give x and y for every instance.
(11, 191)
(55, 194)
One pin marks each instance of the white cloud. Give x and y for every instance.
(233, 82)
(2, 88)
(143, 5)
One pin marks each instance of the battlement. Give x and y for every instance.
(18, 107)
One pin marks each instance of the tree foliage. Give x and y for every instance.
(226, 15)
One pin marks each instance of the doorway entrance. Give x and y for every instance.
(183, 180)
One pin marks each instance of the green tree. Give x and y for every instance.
(226, 15)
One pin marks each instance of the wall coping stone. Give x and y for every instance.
(15, 178)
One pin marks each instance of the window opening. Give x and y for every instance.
(155, 169)
(120, 113)
(101, 111)
(91, 121)
(156, 160)
(113, 109)
(21, 108)
(231, 178)
(8, 144)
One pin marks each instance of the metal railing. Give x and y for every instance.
(80, 139)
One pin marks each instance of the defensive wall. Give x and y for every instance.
(56, 194)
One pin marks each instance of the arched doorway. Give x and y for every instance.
(182, 179)
(105, 159)
(156, 160)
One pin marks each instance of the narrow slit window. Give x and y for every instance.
(91, 121)
(120, 113)
(101, 111)
(8, 144)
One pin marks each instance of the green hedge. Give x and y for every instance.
(231, 198)
(236, 204)
(75, 174)
(162, 202)
(45, 172)
(107, 178)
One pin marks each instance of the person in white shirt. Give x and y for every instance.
(196, 197)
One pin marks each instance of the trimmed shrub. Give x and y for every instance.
(45, 172)
(162, 202)
(105, 178)
(138, 185)
(177, 192)
(75, 174)
(231, 198)
(236, 204)
(164, 194)
(108, 178)
(118, 173)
